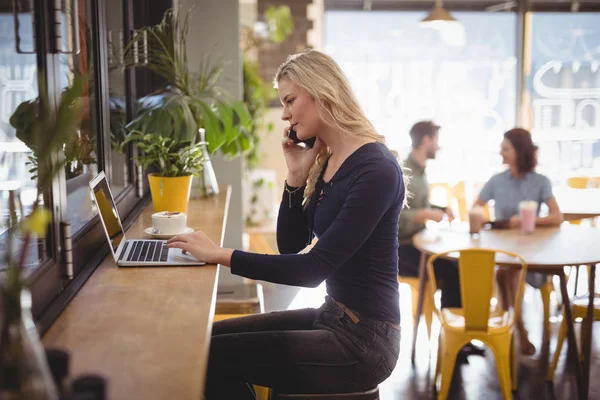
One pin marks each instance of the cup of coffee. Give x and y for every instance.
(475, 219)
(527, 214)
(169, 222)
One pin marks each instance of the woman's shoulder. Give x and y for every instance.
(499, 178)
(537, 175)
(541, 178)
(383, 159)
(381, 168)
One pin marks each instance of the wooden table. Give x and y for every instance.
(146, 329)
(547, 250)
(578, 203)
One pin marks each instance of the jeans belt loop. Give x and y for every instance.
(348, 312)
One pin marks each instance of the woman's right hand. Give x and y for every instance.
(298, 159)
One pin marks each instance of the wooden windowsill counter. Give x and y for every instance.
(147, 330)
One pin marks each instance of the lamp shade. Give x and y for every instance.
(438, 14)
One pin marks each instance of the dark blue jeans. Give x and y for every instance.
(300, 351)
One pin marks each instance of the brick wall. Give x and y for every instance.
(271, 56)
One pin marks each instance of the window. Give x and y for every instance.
(117, 94)
(87, 39)
(563, 92)
(462, 78)
(18, 85)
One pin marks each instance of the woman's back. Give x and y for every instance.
(356, 221)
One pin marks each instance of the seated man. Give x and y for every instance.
(424, 136)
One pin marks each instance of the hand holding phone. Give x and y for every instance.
(308, 143)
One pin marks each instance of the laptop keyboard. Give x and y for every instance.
(147, 250)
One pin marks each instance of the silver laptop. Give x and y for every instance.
(132, 253)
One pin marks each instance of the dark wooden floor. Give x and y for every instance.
(477, 379)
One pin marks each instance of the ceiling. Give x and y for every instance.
(475, 5)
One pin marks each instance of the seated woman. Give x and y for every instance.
(347, 191)
(518, 183)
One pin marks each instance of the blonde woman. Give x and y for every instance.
(347, 191)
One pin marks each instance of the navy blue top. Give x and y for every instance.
(356, 221)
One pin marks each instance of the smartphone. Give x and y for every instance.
(500, 224)
(308, 143)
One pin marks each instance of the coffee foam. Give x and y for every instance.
(168, 214)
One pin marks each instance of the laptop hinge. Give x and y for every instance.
(67, 252)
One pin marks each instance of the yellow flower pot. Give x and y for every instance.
(170, 193)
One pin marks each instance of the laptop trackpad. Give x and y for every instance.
(176, 255)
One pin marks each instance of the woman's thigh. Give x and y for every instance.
(291, 320)
(300, 361)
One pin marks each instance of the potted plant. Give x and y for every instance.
(191, 100)
(47, 131)
(176, 162)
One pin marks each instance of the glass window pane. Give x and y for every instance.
(463, 77)
(117, 90)
(563, 90)
(18, 86)
(81, 156)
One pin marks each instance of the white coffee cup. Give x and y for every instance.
(169, 223)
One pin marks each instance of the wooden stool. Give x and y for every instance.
(372, 394)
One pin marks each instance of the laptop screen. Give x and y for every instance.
(107, 210)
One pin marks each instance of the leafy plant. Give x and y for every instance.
(192, 99)
(257, 95)
(32, 121)
(257, 92)
(279, 22)
(171, 157)
(77, 150)
(46, 131)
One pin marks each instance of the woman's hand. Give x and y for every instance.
(298, 159)
(201, 247)
(515, 221)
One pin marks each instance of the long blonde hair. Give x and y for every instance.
(324, 81)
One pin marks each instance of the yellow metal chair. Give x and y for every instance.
(427, 305)
(578, 182)
(475, 321)
(579, 310)
(460, 194)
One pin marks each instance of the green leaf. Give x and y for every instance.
(244, 118)
(212, 126)
(279, 22)
(230, 150)
(244, 142)
(226, 116)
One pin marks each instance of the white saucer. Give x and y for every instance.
(150, 231)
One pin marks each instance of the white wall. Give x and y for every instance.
(214, 31)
